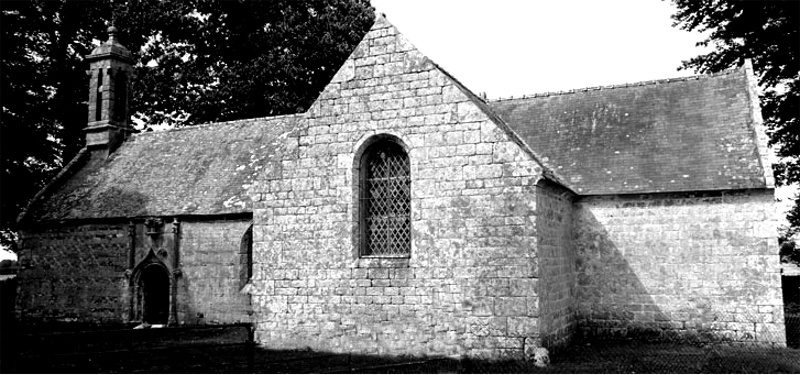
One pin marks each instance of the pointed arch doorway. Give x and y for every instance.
(153, 289)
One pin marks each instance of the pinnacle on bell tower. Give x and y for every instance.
(110, 73)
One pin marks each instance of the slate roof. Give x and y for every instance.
(684, 134)
(199, 170)
(689, 134)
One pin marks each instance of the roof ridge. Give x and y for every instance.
(211, 124)
(617, 86)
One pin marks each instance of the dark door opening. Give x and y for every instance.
(154, 287)
(791, 306)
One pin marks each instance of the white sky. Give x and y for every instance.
(515, 47)
(520, 47)
(4, 254)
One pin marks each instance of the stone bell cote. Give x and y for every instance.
(110, 73)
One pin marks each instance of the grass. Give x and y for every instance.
(612, 357)
(224, 349)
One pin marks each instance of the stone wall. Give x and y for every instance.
(556, 256)
(690, 264)
(468, 287)
(210, 286)
(73, 273)
(77, 274)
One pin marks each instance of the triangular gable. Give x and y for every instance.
(385, 57)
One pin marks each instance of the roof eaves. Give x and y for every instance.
(759, 130)
(77, 162)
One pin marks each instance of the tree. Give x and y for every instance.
(197, 61)
(767, 33)
(41, 76)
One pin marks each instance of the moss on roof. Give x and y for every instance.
(200, 170)
(685, 134)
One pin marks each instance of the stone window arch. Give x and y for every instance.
(385, 198)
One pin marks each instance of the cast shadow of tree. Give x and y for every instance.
(610, 300)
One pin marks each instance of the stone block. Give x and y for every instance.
(469, 112)
(489, 171)
(511, 306)
(452, 94)
(414, 62)
(523, 287)
(523, 326)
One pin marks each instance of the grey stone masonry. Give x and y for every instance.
(557, 258)
(469, 285)
(76, 274)
(209, 289)
(691, 264)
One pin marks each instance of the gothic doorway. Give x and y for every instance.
(153, 293)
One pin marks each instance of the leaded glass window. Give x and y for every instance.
(386, 200)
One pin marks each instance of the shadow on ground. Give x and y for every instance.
(228, 349)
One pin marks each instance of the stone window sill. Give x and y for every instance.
(382, 261)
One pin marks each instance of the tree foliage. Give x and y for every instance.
(767, 33)
(197, 61)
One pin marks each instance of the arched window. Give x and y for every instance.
(385, 200)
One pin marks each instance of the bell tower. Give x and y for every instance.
(110, 73)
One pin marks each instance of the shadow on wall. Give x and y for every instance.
(611, 301)
(60, 288)
(649, 268)
(215, 268)
(59, 285)
(187, 313)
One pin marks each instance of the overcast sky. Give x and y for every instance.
(517, 47)
(520, 47)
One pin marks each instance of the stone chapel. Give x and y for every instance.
(403, 214)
